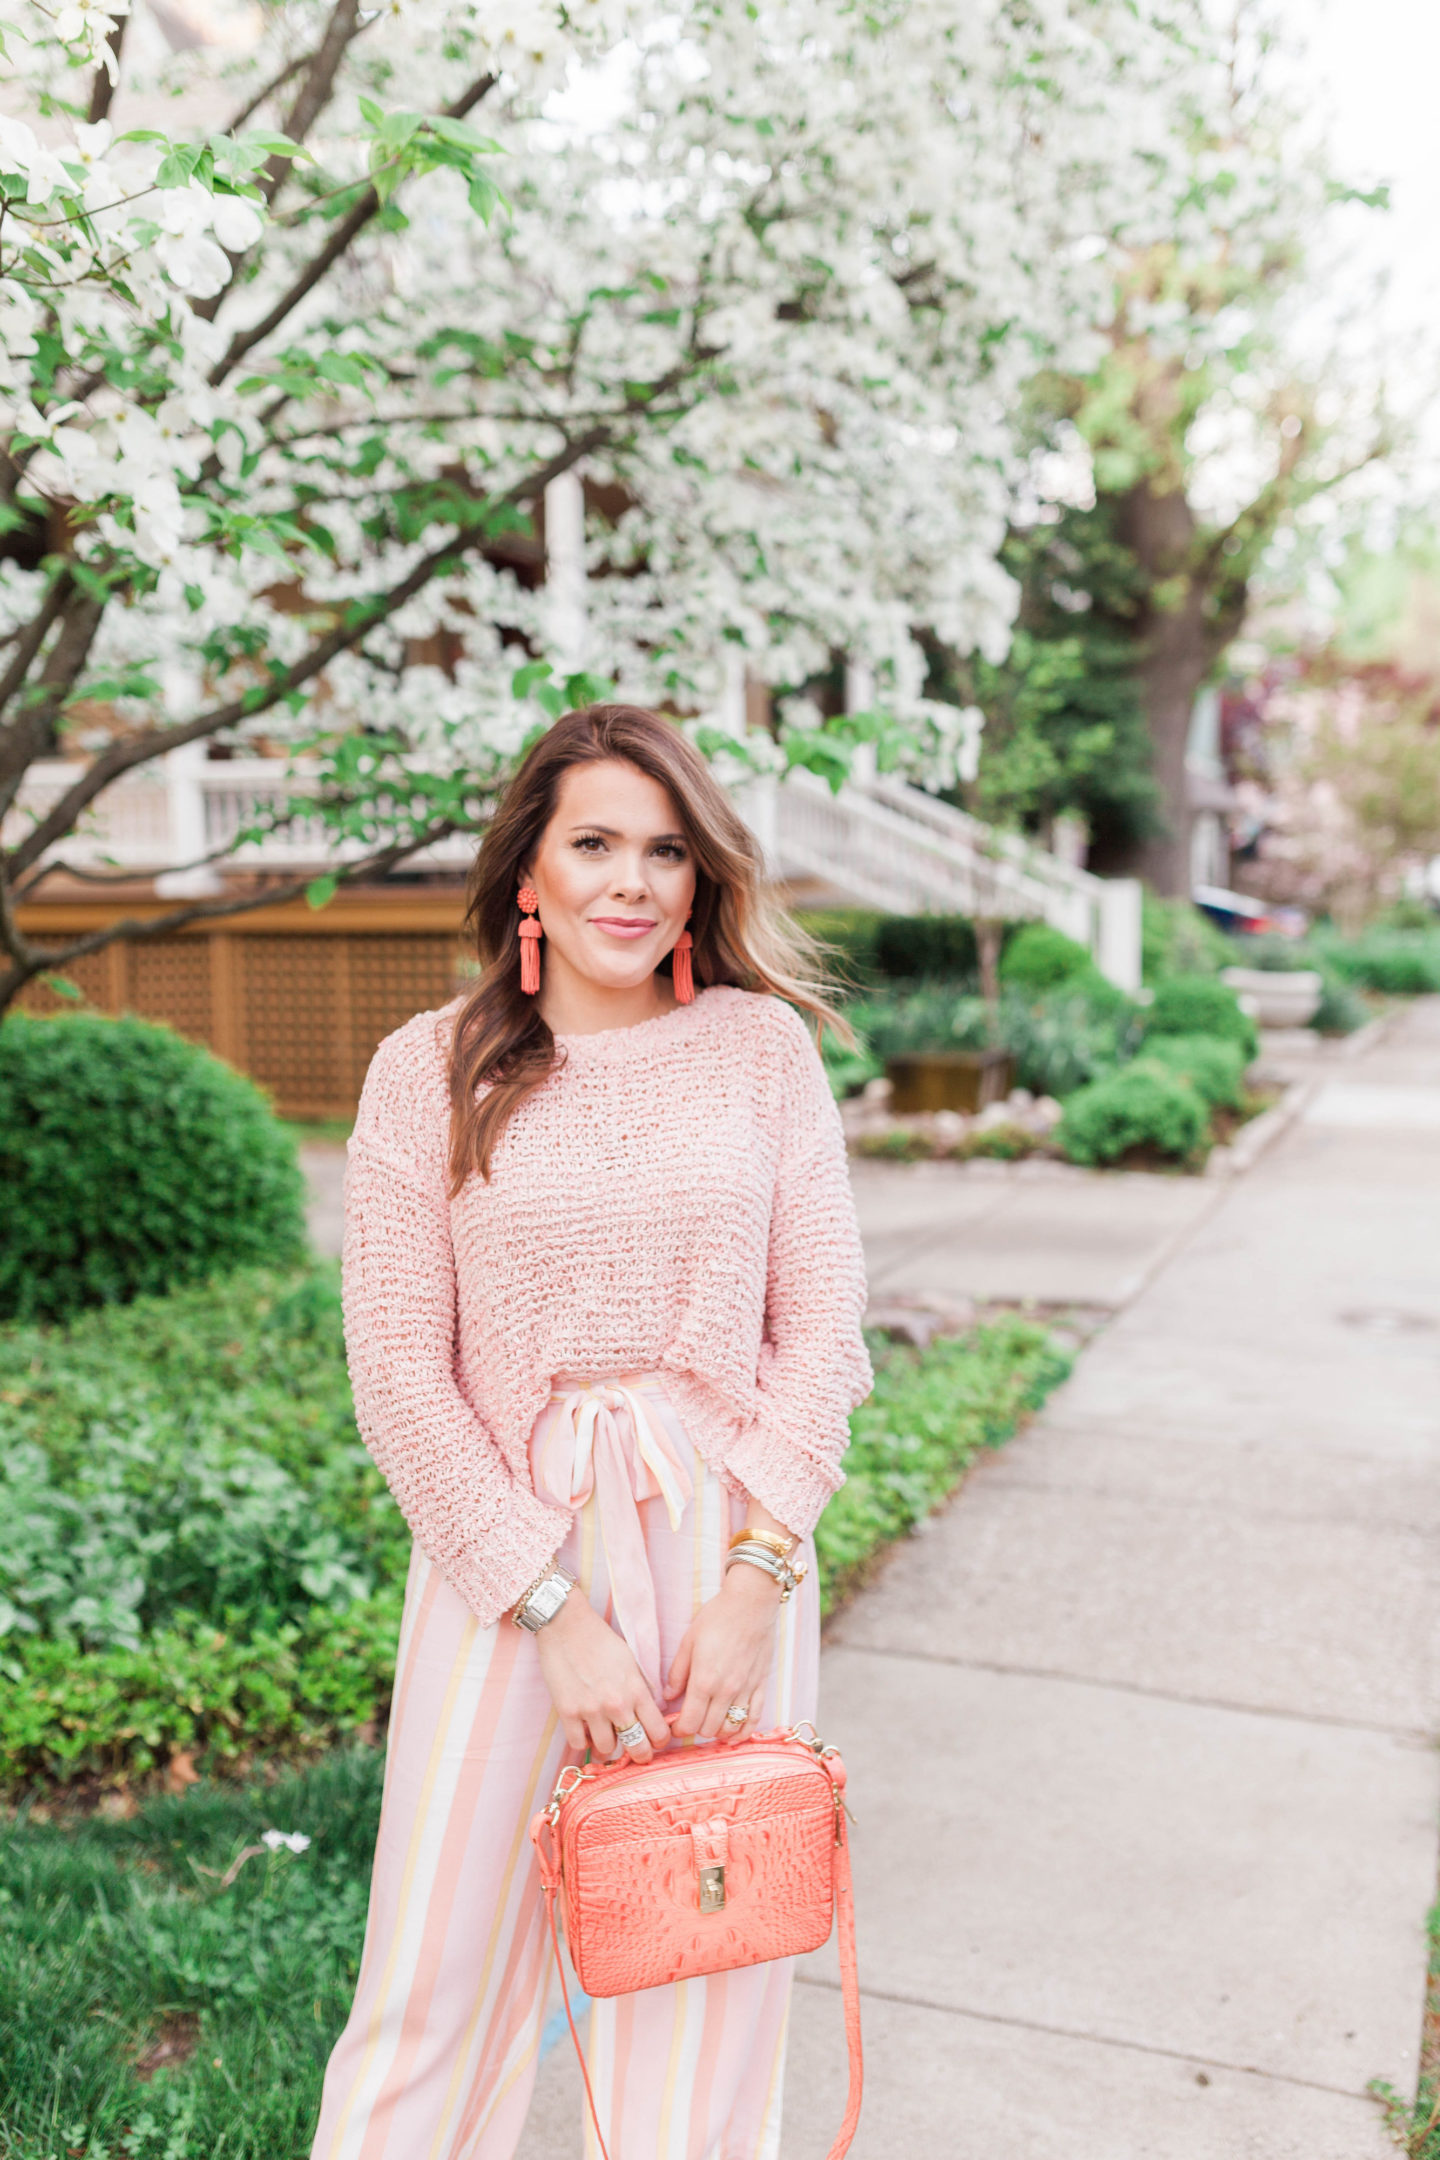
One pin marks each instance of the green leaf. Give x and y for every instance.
(483, 196)
(455, 131)
(341, 368)
(523, 681)
(63, 987)
(321, 890)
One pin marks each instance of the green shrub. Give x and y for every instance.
(1341, 1009)
(1400, 963)
(1143, 1105)
(1063, 1041)
(997, 1143)
(1199, 1005)
(899, 1144)
(907, 946)
(131, 1161)
(1214, 1068)
(927, 1016)
(1040, 958)
(1178, 939)
(848, 938)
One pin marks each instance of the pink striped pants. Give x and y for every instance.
(438, 2058)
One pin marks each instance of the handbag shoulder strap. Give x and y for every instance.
(849, 1985)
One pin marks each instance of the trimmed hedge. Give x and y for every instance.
(1399, 963)
(1143, 1105)
(132, 1161)
(1214, 1068)
(1201, 1005)
(1040, 958)
(1177, 938)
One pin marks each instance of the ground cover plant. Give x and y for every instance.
(1400, 963)
(197, 1557)
(1415, 2126)
(131, 1161)
(200, 1564)
(171, 1983)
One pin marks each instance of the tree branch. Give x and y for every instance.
(102, 88)
(29, 644)
(354, 222)
(39, 959)
(315, 91)
(267, 90)
(121, 757)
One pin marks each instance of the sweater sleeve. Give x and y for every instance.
(488, 1535)
(814, 1367)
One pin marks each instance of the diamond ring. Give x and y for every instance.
(737, 1713)
(632, 1736)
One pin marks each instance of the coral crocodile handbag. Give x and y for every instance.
(700, 1861)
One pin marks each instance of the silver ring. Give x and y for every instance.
(737, 1713)
(630, 1736)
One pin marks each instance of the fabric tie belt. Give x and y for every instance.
(602, 1440)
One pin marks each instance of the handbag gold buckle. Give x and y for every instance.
(576, 1773)
(712, 1889)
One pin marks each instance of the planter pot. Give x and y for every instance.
(1278, 1000)
(948, 1079)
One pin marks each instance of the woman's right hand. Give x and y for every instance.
(595, 1683)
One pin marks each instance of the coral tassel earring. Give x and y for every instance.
(682, 971)
(530, 934)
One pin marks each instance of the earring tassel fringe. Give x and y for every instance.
(684, 975)
(530, 958)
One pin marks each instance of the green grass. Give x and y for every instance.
(115, 1945)
(1416, 2128)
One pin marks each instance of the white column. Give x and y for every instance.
(859, 697)
(731, 715)
(184, 778)
(1118, 953)
(565, 571)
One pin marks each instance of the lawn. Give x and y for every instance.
(203, 1575)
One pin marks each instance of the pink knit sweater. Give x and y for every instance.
(673, 1199)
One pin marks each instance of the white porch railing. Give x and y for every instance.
(880, 843)
(891, 846)
(169, 815)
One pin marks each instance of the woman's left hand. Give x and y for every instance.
(725, 1656)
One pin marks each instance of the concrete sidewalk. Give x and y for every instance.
(1141, 1731)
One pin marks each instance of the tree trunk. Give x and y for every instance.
(1179, 638)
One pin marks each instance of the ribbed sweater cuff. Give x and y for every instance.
(793, 1486)
(503, 1561)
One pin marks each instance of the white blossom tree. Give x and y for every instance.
(280, 399)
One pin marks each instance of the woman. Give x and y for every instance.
(603, 1294)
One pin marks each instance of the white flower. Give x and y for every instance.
(92, 141)
(289, 1840)
(236, 223)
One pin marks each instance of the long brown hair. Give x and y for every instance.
(741, 936)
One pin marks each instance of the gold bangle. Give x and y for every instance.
(772, 1542)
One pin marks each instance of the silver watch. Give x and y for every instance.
(544, 1601)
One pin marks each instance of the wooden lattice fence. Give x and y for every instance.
(297, 998)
